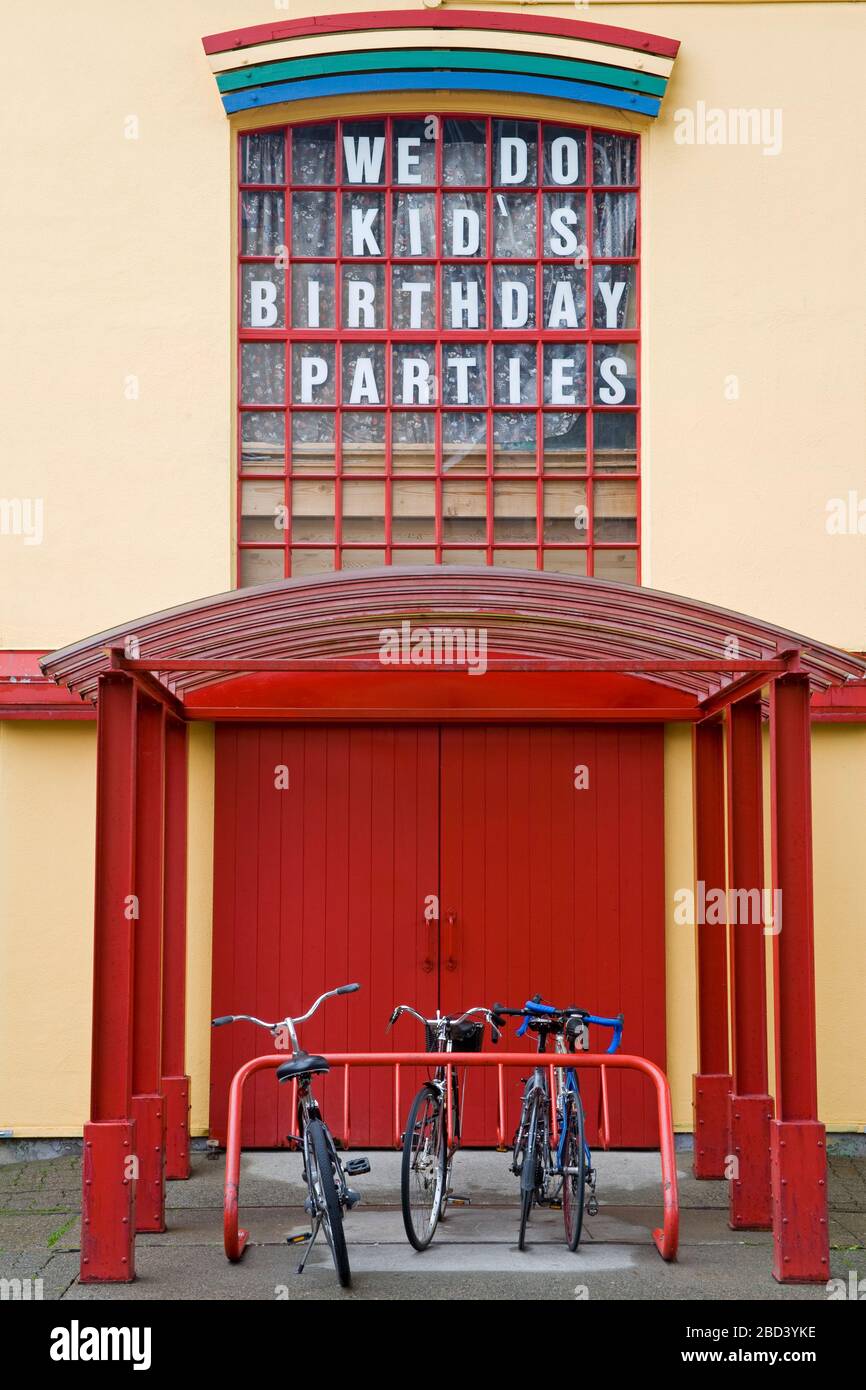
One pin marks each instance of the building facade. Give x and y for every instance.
(384, 320)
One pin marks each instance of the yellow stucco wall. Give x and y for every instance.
(199, 900)
(839, 819)
(47, 808)
(118, 293)
(679, 940)
(132, 240)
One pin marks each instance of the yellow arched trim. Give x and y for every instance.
(487, 39)
(446, 102)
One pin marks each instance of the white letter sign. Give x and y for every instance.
(416, 382)
(263, 304)
(363, 158)
(363, 241)
(513, 159)
(407, 160)
(465, 232)
(314, 372)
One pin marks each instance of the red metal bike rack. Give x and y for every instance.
(666, 1238)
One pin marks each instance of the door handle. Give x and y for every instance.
(450, 936)
(431, 919)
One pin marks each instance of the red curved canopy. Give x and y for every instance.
(534, 622)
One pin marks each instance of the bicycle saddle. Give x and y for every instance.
(303, 1064)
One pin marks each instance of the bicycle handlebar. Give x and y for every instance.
(534, 1008)
(489, 1014)
(284, 1022)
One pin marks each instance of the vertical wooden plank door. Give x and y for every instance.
(326, 845)
(328, 840)
(555, 889)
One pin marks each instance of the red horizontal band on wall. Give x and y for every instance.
(841, 704)
(25, 693)
(451, 19)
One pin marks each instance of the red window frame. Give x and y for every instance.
(535, 550)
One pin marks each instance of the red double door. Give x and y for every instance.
(541, 845)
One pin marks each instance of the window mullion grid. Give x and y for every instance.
(338, 349)
(539, 365)
(488, 351)
(387, 275)
(239, 370)
(638, 417)
(590, 355)
(592, 335)
(438, 330)
(539, 329)
(287, 320)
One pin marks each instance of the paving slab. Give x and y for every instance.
(380, 1273)
(38, 1274)
(29, 1230)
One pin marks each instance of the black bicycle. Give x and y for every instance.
(428, 1145)
(324, 1174)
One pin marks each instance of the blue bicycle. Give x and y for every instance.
(560, 1175)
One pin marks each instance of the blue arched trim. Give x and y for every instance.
(445, 80)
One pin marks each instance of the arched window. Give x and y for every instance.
(438, 357)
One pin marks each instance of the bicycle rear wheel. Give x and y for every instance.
(423, 1170)
(529, 1168)
(573, 1168)
(323, 1190)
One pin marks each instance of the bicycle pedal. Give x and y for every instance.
(555, 1203)
(592, 1206)
(459, 1200)
(356, 1166)
(351, 1198)
(299, 1239)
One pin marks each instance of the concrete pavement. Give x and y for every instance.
(474, 1255)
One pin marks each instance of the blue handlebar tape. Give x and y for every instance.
(614, 1023)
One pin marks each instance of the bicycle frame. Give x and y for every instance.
(565, 1082)
(451, 1106)
(308, 1113)
(308, 1110)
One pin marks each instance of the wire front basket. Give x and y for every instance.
(465, 1037)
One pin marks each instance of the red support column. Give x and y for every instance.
(175, 1082)
(751, 1108)
(798, 1145)
(148, 1102)
(712, 1083)
(108, 1194)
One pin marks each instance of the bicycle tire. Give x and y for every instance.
(573, 1157)
(323, 1191)
(528, 1172)
(426, 1126)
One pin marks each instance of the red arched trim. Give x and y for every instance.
(448, 19)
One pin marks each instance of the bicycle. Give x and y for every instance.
(534, 1159)
(324, 1174)
(428, 1148)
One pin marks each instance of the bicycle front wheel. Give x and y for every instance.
(422, 1174)
(530, 1167)
(573, 1168)
(326, 1203)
